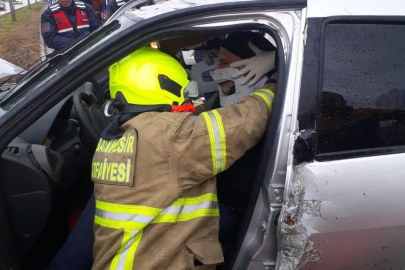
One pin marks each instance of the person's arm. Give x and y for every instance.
(93, 21)
(111, 9)
(210, 143)
(50, 33)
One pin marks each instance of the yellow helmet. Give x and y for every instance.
(148, 77)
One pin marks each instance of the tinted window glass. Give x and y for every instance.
(363, 93)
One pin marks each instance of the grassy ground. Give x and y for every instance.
(20, 40)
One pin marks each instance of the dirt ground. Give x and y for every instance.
(20, 40)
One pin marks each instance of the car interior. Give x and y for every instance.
(45, 171)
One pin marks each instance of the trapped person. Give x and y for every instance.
(254, 56)
(154, 170)
(66, 20)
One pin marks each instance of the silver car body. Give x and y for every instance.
(347, 213)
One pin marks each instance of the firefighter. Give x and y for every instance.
(154, 170)
(66, 20)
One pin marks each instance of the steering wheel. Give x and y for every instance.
(91, 117)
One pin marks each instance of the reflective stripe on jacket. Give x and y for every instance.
(155, 187)
(64, 25)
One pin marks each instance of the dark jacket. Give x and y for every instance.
(113, 6)
(58, 40)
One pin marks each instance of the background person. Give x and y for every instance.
(66, 20)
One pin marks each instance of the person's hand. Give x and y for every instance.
(209, 56)
(257, 66)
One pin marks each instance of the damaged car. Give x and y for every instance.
(325, 191)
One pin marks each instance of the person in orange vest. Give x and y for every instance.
(66, 20)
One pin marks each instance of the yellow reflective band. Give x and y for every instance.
(116, 224)
(267, 91)
(212, 142)
(212, 197)
(116, 216)
(184, 209)
(172, 218)
(128, 209)
(125, 240)
(265, 98)
(124, 259)
(129, 262)
(223, 138)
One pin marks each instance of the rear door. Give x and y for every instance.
(344, 198)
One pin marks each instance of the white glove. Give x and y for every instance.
(209, 56)
(257, 66)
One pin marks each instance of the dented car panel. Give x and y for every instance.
(338, 214)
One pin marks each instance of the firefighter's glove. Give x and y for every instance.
(209, 56)
(256, 67)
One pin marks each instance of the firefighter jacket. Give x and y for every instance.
(155, 185)
(61, 26)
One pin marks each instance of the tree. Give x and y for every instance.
(29, 4)
(12, 11)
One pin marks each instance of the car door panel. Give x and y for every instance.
(351, 211)
(343, 199)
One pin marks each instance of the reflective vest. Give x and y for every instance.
(63, 24)
(155, 185)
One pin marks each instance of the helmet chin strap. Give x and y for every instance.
(121, 106)
(222, 75)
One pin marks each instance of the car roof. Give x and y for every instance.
(327, 8)
(146, 12)
(316, 8)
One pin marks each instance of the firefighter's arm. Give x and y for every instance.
(210, 143)
(94, 22)
(50, 33)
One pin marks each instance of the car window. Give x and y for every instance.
(363, 87)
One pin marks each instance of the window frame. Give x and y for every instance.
(355, 153)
